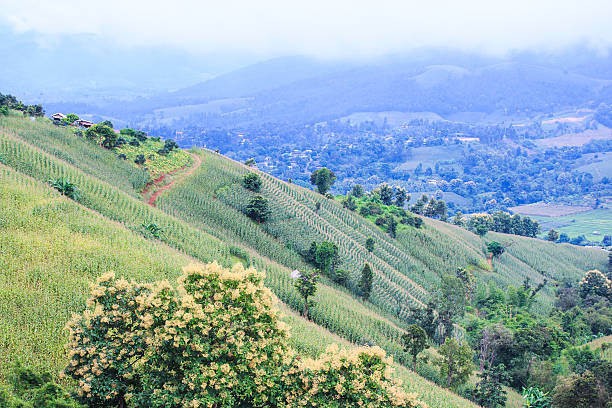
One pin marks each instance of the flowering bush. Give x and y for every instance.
(216, 341)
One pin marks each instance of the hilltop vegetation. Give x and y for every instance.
(204, 217)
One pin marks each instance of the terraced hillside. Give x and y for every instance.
(51, 248)
(407, 268)
(201, 218)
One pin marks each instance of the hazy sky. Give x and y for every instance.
(319, 27)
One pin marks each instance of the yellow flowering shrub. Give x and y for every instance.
(360, 377)
(214, 340)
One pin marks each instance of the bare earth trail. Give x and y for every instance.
(189, 171)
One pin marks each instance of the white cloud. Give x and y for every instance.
(320, 27)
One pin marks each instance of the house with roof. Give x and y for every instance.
(58, 117)
(83, 123)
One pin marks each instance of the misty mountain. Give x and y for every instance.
(445, 83)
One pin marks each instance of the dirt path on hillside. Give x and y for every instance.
(160, 179)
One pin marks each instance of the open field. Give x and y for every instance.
(600, 165)
(428, 156)
(584, 223)
(548, 210)
(576, 139)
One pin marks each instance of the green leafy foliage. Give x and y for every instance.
(252, 181)
(414, 341)
(456, 363)
(365, 282)
(535, 398)
(65, 187)
(258, 209)
(495, 248)
(323, 178)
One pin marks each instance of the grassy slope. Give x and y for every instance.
(212, 227)
(585, 223)
(53, 247)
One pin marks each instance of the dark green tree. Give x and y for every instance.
(450, 300)
(357, 191)
(252, 181)
(495, 248)
(386, 194)
(107, 123)
(552, 236)
(258, 209)
(306, 285)
(349, 203)
(323, 178)
(103, 135)
(489, 392)
(401, 197)
(140, 159)
(369, 244)
(365, 283)
(414, 342)
(456, 363)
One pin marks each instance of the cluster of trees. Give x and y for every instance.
(384, 206)
(214, 338)
(325, 259)
(11, 102)
(430, 207)
(515, 346)
(499, 221)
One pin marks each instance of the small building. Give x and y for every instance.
(58, 117)
(83, 123)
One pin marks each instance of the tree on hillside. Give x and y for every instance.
(365, 283)
(369, 244)
(391, 224)
(103, 135)
(450, 301)
(595, 283)
(357, 191)
(580, 391)
(401, 197)
(489, 392)
(306, 285)
(456, 364)
(458, 218)
(386, 194)
(71, 118)
(252, 181)
(258, 209)
(495, 248)
(414, 342)
(107, 123)
(552, 236)
(323, 178)
(349, 203)
(140, 159)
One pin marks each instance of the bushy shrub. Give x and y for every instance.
(65, 187)
(252, 181)
(214, 340)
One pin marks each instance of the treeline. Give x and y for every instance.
(543, 355)
(499, 221)
(11, 102)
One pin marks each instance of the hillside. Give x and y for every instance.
(53, 247)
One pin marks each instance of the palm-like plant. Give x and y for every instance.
(535, 398)
(65, 187)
